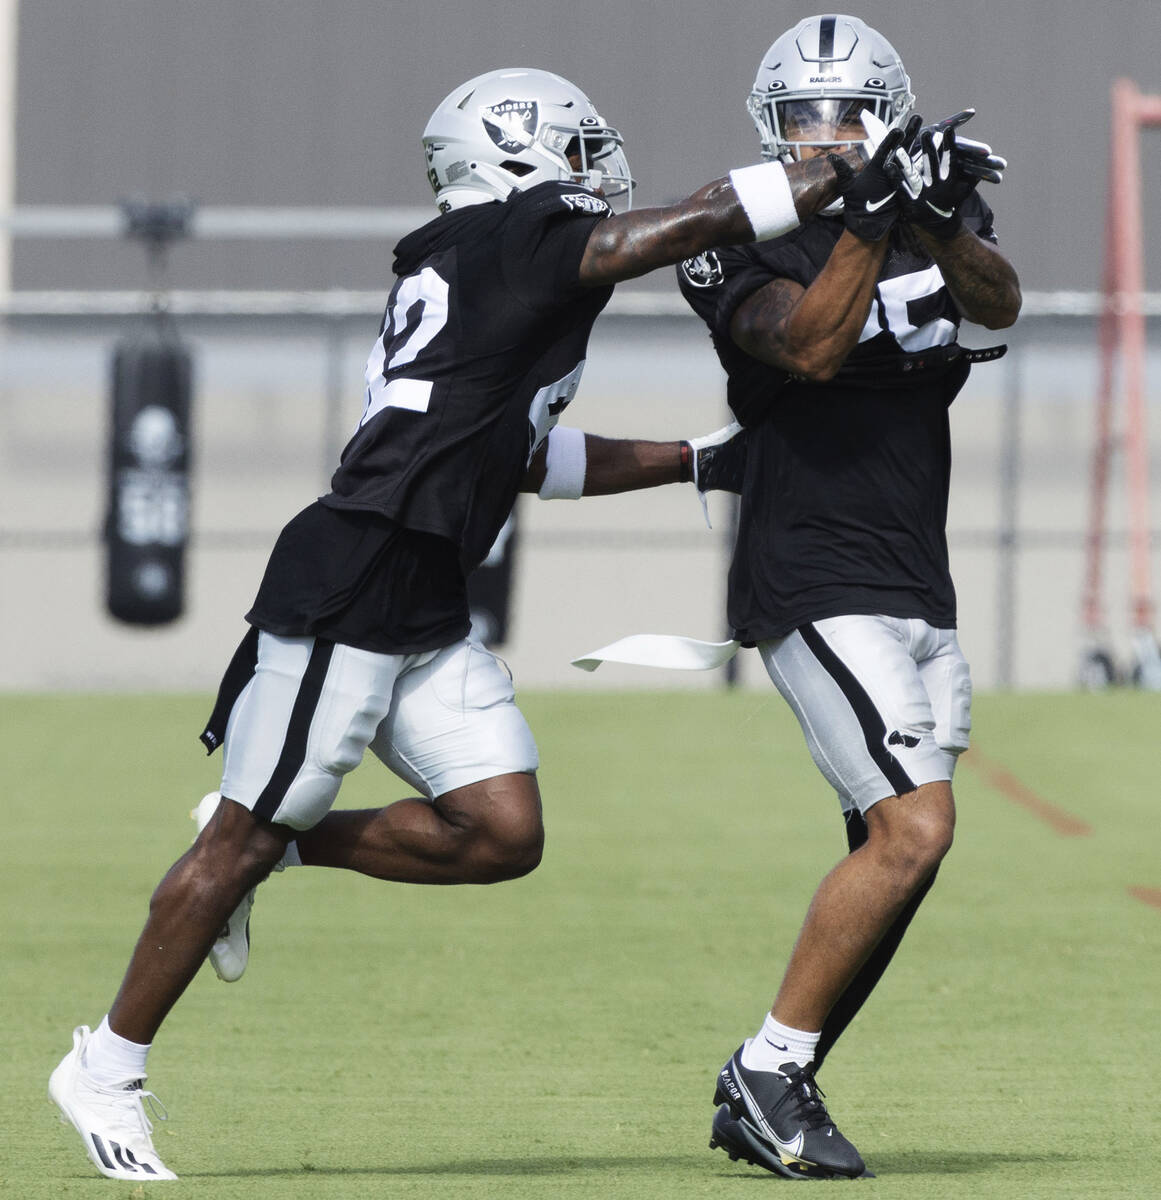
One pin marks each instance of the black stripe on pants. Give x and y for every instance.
(297, 730)
(874, 731)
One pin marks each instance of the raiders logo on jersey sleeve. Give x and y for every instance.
(586, 202)
(703, 270)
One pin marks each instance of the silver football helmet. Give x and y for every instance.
(517, 128)
(815, 80)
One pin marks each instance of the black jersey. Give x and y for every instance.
(481, 348)
(844, 502)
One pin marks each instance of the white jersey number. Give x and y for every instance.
(896, 302)
(401, 342)
(547, 405)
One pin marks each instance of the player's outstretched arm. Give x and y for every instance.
(751, 204)
(571, 463)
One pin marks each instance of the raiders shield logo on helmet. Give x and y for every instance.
(511, 124)
(703, 270)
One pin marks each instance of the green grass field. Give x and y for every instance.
(559, 1036)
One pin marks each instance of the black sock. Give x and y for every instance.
(869, 974)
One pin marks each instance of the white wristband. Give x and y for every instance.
(564, 477)
(764, 193)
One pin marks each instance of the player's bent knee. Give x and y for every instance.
(512, 841)
(937, 818)
(914, 832)
(235, 846)
(500, 825)
(509, 859)
(931, 838)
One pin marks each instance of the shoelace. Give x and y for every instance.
(155, 1106)
(803, 1100)
(136, 1092)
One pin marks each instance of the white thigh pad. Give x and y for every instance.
(454, 721)
(859, 696)
(947, 679)
(302, 722)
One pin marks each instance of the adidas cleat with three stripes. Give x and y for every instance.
(117, 1134)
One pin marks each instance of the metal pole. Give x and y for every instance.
(1131, 284)
(1010, 457)
(8, 65)
(1092, 614)
(1137, 111)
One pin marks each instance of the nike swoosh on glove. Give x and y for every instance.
(949, 169)
(871, 201)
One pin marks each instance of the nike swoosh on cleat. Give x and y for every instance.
(875, 205)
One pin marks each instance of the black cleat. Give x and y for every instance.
(739, 1141)
(783, 1114)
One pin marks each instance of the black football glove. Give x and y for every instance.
(974, 159)
(717, 463)
(949, 168)
(718, 460)
(871, 202)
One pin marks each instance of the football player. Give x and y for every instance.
(359, 633)
(839, 340)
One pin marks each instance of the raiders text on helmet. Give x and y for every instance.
(514, 129)
(816, 78)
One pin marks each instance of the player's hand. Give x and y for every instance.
(974, 159)
(719, 459)
(718, 463)
(871, 201)
(950, 168)
(876, 131)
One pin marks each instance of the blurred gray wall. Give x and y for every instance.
(260, 103)
(321, 102)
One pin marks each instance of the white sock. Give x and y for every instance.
(110, 1059)
(775, 1046)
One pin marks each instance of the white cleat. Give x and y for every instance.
(111, 1120)
(231, 951)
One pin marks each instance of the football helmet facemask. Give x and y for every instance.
(815, 80)
(517, 128)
